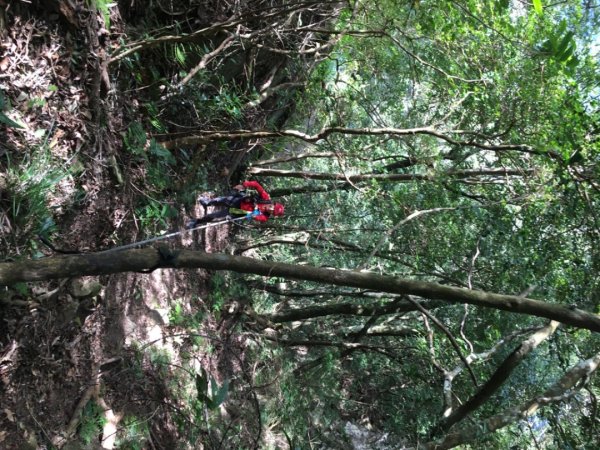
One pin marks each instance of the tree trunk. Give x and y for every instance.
(501, 374)
(109, 262)
(560, 391)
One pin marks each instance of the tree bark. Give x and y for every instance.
(560, 391)
(501, 374)
(310, 189)
(397, 177)
(348, 309)
(234, 135)
(109, 262)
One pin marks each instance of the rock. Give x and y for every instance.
(84, 288)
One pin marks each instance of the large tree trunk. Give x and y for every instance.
(151, 258)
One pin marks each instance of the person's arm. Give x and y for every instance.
(256, 185)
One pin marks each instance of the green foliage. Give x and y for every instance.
(154, 117)
(36, 102)
(214, 397)
(157, 160)
(223, 288)
(135, 139)
(91, 422)
(4, 107)
(561, 46)
(29, 184)
(154, 215)
(133, 434)
(180, 318)
(103, 6)
(21, 288)
(223, 105)
(497, 73)
(179, 54)
(160, 360)
(158, 163)
(230, 103)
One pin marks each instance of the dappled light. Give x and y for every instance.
(294, 224)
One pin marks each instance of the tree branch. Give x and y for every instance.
(110, 262)
(445, 330)
(213, 136)
(501, 374)
(396, 177)
(560, 391)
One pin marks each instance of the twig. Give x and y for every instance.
(466, 307)
(447, 333)
(391, 231)
(61, 439)
(36, 421)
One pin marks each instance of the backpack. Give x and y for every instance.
(254, 198)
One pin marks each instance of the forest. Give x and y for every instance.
(433, 283)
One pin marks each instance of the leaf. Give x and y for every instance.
(9, 415)
(221, 394)
(201, 385)
(562, 57)
(180, 54)
(21, 288)
(537, 6)
(163, 153)
(573, 62)
(8, 121)
(564, 45)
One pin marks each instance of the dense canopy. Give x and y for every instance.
(434, 282)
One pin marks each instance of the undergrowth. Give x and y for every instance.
(29, 185)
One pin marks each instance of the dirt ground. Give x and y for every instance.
(64, 343)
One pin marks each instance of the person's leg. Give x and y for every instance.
(212, 217)
(229, 200)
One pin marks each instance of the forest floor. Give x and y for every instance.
(64, 343)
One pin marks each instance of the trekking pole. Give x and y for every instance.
(167, 236)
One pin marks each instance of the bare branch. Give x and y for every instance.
(501, 374)
(396, 177)
(212, 136)
(445, 330)
(562, 390)
(395, 228)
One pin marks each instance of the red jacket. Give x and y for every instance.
(248, 205)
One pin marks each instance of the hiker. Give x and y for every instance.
(240, 204)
